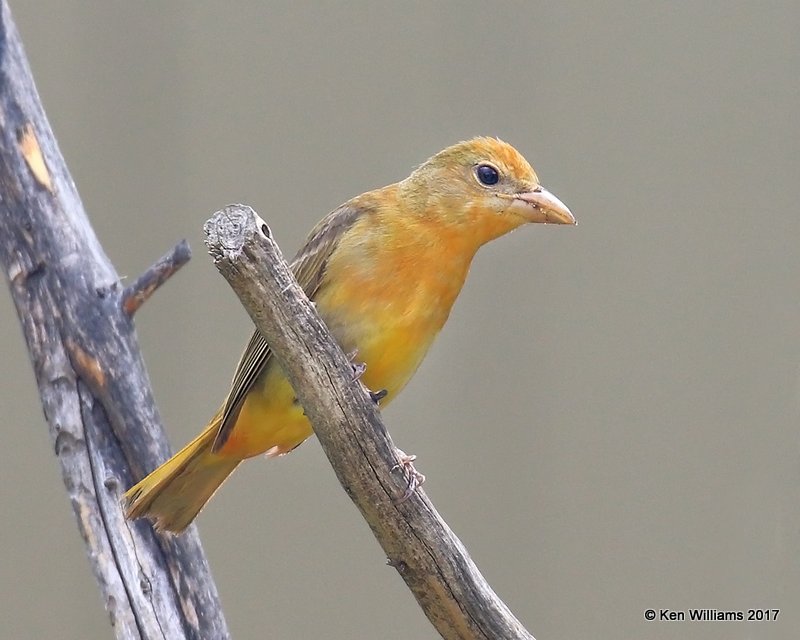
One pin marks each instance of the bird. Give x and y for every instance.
(383, 270)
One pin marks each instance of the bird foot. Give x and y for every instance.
(358, 370)
(414, 479)
(358, 367)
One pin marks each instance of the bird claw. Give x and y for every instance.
(377, 396)
(358, 370)
(358, 367)
(414, 479)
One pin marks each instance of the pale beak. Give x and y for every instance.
(540, 205)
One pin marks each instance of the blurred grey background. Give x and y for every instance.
(610, 419)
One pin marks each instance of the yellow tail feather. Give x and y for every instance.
(173, 494)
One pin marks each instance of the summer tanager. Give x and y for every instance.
(383, 270)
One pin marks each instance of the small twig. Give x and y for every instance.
(418, 543)
(136, 294)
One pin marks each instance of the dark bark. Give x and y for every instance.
(76, 319)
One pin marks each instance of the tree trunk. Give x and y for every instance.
(77, 321)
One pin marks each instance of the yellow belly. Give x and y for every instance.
(272, 422)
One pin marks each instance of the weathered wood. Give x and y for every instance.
(136, 294)
(92, 381)
(418, 543)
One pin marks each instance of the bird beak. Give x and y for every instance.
(540, 205)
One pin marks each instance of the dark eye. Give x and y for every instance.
(487, 174)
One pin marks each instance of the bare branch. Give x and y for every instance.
(418, 543)
(136, 294)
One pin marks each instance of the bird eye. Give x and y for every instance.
(487, 174)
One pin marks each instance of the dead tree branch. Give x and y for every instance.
(136, 294)
(418, 543)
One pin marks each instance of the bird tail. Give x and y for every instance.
(173, 494)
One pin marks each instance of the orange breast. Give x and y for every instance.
(387, 293)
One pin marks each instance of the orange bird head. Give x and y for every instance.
(483, 185)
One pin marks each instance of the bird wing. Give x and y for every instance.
(308, 268)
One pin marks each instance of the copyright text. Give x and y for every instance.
(711, 615)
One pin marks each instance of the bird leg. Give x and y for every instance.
(414, 479)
